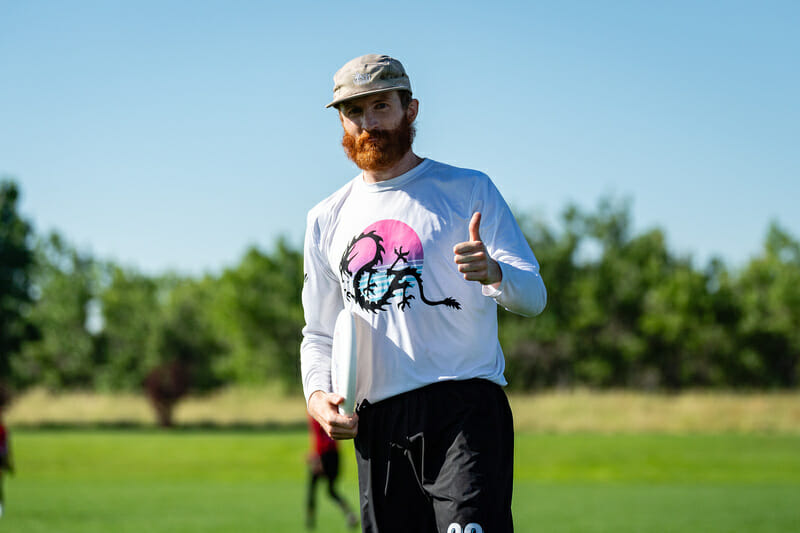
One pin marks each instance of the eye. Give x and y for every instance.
(352, 112)
(381, 105)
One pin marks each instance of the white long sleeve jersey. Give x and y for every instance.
(385, 252)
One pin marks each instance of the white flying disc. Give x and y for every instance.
(344, 359)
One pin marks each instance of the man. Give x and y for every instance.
(433, 430)
(6, 465)
(323, 462)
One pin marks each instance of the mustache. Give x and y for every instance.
(372, 136)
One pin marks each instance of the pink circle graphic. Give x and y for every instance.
(397, 237)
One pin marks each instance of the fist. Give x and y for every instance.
(472, 258)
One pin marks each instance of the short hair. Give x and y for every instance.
(405, 98)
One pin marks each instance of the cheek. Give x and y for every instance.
(351, 127)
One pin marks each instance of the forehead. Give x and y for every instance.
(364, 101)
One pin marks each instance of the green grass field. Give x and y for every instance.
(148, 481)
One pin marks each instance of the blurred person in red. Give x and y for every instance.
(323, 462)
(5, 460)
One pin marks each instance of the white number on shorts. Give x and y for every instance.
(472, 527)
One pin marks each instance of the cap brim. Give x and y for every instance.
(338, 101)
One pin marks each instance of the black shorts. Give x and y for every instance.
(330, 464)
(437, 459)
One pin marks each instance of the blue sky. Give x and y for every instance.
(172, 135)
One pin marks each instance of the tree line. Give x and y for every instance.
(623, 311)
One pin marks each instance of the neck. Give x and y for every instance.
(406, 163)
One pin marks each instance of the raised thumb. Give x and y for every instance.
(474, 227)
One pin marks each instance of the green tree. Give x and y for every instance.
(260, 315)
(16, 264)
(610, 348)
(187, 347)
(187, 334)
(539, 351)
(606, 321)
(64, 356)
(689, 326)
(769, 331)
(132, 310)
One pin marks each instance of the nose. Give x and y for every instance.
(369, 120)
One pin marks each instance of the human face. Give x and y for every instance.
(377, 130)
(382, 111)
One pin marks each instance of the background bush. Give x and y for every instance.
(623, 311)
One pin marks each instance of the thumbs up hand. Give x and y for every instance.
(472, 258)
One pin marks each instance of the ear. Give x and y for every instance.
(412, 111)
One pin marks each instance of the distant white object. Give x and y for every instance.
(344, 361)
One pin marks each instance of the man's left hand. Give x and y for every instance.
(473, 260)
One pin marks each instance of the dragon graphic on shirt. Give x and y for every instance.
(374, 278)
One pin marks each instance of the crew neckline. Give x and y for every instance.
(396, 182)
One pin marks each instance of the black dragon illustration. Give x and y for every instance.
(400, 278)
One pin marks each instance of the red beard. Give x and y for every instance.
(379, 149)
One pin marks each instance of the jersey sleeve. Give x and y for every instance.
(522, 289)
(322, 302)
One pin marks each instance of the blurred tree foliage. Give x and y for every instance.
(260, 315)
(769, 299)
(133, 315)
(64, 355)
(635, 315)
(187, 335)
(16, 266)
(623, 311)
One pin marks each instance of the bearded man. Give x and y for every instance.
(433, 429)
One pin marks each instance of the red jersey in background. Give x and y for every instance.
(321, 443)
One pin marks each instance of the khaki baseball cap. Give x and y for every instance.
(369, 74)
